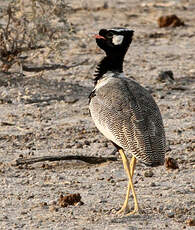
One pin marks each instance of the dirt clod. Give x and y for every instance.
(71, 199)
(190, 222)
(171, 163)
(170, 21)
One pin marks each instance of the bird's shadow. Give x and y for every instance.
(143, 215)
(124, 219)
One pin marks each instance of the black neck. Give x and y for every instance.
(109, 63)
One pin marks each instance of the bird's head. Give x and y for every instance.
(114, 41)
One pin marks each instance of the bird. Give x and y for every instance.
(124, 111)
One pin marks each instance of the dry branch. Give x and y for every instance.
(87, 159)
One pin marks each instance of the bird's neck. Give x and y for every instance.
(109, 63)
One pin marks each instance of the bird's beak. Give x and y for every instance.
(97, 36)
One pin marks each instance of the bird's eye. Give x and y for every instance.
(109, 34)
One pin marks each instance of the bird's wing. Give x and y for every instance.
(127, 115)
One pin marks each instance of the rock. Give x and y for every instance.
(190, 222)
(169, 21)
(152, 184)
(112, 181)
(43, 204)
(156, 35)
(71, 199)
(110, 178)
(160, 209)
(114, 152)
(171, 163)
(79, 145)
(170, 214)
(86, 142)
(105, 6)
(168, 149)
(166, 76)
(53, 209)
(105, 145)
(148, 173)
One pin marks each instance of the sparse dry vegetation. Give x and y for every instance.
(44, 115)
(31, 28)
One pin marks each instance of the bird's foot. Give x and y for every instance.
(135, 211)
(126, 211)
(123, 210)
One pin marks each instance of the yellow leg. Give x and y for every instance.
(132, 166)
(129, 168)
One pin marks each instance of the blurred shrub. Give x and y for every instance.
(34, 31)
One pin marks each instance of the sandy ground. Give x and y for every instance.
(49, 115)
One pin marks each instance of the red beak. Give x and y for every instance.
(97, 36)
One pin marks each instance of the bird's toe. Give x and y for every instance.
(123, 210)
(135, 211)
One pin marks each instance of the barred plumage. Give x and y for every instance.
(123, 110)
(128, 112)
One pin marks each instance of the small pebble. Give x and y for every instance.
(53, 208)
(170, 214)
(166, 75)
(5, 217)
(110, 178)
(23, 212)
(43, 204)
(79, 146)
(86, 142)
(103, 201)
(79, 203)
(190, 222)
(148, 173)
(160, 208)
(152, 184)
(100, 178)
(105, 145)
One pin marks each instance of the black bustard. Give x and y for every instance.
(124, 111)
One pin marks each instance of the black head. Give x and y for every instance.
(114, 41)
